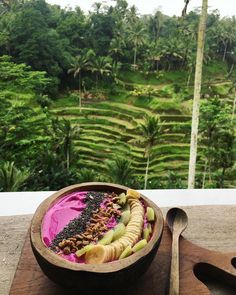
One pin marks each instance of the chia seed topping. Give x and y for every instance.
(78, 225)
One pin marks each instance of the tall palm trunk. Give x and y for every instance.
(197, 92)
(146, 172)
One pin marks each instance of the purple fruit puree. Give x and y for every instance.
(60, 214)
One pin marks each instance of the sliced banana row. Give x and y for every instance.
(100, 253)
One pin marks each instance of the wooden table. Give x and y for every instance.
(212, 227)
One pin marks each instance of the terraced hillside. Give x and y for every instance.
(110, 129)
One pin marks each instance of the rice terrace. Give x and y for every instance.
(107, 96)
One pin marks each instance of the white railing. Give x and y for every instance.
(20, 203)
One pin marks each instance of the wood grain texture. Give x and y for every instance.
(29, 278)
(177, 221)
(212, 227)
(13, 230)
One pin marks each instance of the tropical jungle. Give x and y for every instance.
(107, 96)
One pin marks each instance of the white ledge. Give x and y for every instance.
(19, 203)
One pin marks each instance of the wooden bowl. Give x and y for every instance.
(91, 277)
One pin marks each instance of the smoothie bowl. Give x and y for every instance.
(96, 236)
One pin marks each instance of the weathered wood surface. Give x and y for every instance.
(13, 230)
(210, 227)
(29, 278)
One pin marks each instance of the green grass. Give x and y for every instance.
(170, 106)
(158, 78)
(135, 77)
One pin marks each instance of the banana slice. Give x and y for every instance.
(132, 234)
(133, 193)
(97, 255)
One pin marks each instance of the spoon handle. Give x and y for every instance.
(174, 271)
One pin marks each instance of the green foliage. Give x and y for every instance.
(62, 134)
(101, 66)
(52, 36)
(171, 181)
(220, 90)
(174, 181)
(144, 91)
(120, 171)
(44, 101)
(218, 136)
(136, 37)
(49, 171)
(20, 77)
(21, 131)
(151, 129)
(43, 46)
(86, 175)
(71, 25)
(11, 178)
(172, 105)
(167, 91)
(35, 42)
(101, 30)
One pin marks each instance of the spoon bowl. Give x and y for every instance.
(177, 220)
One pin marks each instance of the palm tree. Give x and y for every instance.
(12, 178)
(116, 48)
(100, 66)
(64, 134)
(136, 36)
(151, 130)
(120, 171)
(6, 5)
(225, 36)
(197, 91)
(155, 23)
(132, 15)
(184, 11)
(171, 51)
(79, 64)
(115, 69)
(86, 175)
(97, 6)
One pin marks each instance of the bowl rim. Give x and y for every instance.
(113, 266)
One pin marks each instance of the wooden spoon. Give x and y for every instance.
(177, 221)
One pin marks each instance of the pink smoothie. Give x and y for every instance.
(60, 214)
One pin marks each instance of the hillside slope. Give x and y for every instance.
(110, 127)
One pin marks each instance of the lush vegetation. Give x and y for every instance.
(107, 96)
